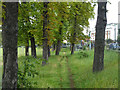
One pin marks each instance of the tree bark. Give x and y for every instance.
(53, 46)
(33, 47)
(9, 36)
(27, 48)
(58, 46)
(48, 51)
(74, 36)
(98, 63)
(73, 48)
(45, 39)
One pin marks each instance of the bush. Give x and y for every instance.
(27, 72)
(83, 54)
(84, 48)
(109, 41)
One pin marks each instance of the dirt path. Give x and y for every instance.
(60, 66)
(70, 74)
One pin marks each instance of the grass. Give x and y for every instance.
(82, 71)
(55, 74)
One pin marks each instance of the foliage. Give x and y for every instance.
(60, 16)
(82, 54)
(79, 13)
(84, 47)
(109, 41)
(27, 72)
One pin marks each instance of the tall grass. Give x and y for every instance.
(56, 75)
(85, 78)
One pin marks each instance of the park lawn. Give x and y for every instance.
(55, 74)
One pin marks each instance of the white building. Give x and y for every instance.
(111, 32)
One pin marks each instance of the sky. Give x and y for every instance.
(112, 14)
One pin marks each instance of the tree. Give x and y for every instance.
(45, 39)
(23, 26)
(79, 15)
(26, 27)
(61, 17)
(9, 36)
(98, 64)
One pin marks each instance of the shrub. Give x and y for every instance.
(83, 54)
(27, 72)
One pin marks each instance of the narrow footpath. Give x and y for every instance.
(70, 74)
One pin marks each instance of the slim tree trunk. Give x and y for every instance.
(98, 63)
(53, 46)
(58, 46)
(48, 51)
(33, 47)
(45, 39)
(73, 48)
(74, 36)
(9, 36)
(27, 48)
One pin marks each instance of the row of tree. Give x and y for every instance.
(46, 24)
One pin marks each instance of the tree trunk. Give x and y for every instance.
(45, 39)
(98, 63)
(73, 48)
(27, 48)
(74, 36)
(9, 36)
(58, 46)
(48, 51)
(33, 47)
(53, 46)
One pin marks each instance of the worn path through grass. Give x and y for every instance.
(70, 77)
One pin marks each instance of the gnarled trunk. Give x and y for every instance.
(9, 36)
(98, 63)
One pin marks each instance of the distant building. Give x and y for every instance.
(111, 32)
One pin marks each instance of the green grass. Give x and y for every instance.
(56, 75)
(82, 71)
